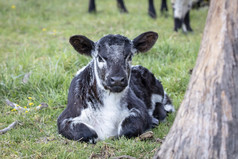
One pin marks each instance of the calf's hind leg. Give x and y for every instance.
(135, 124)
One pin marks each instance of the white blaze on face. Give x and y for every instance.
(100, 65)
(116, 50)
(99, 82)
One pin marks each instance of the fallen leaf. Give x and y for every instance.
(146, 135)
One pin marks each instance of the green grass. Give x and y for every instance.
(25, 47)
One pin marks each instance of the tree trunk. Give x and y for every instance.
(206, 125)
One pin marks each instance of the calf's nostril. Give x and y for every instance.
(117, 80)
(122, 79)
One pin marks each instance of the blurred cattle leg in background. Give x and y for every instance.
(151, 9)
(120, 4)
(91, 6)
(164, 6)
(122, 7)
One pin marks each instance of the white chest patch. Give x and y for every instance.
(105, 120)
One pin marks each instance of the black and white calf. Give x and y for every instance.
(109, 97)
(122, 7)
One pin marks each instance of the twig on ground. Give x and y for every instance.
(19, 108)
(124, 157)
(26, 77)
(159, 140)
(58, 107)
(41, 106)
(93, 155)
(12, 125)
(16, 106)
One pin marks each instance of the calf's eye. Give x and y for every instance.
(129, 58)
(100, 59)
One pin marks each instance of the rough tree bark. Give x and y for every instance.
(206, 125)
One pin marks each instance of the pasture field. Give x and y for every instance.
(34, 38)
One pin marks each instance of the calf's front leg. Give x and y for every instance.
(73, 129)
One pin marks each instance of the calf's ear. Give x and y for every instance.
(145, 41)
(82, 44)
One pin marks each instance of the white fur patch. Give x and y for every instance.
(99, 84)
(134, 112)
(105, 120)
(133, 49)
(81, 70)
(184, 27)
(117, 51)
(169, 108)
(100, 64)
(155, 98)
(63, 122)
(181, 8)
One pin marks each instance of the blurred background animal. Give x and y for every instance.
(121, 5)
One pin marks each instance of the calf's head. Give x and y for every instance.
(112, 57)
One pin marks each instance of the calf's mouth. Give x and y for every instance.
(117, 89)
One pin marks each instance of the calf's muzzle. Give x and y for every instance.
(117, 83)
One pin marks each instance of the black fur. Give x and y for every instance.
(121, 6)
(164, 7)
(184, 20)
(151, 9)
(144, 84)
(177, 24)
(187, 22)
(91, 6)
